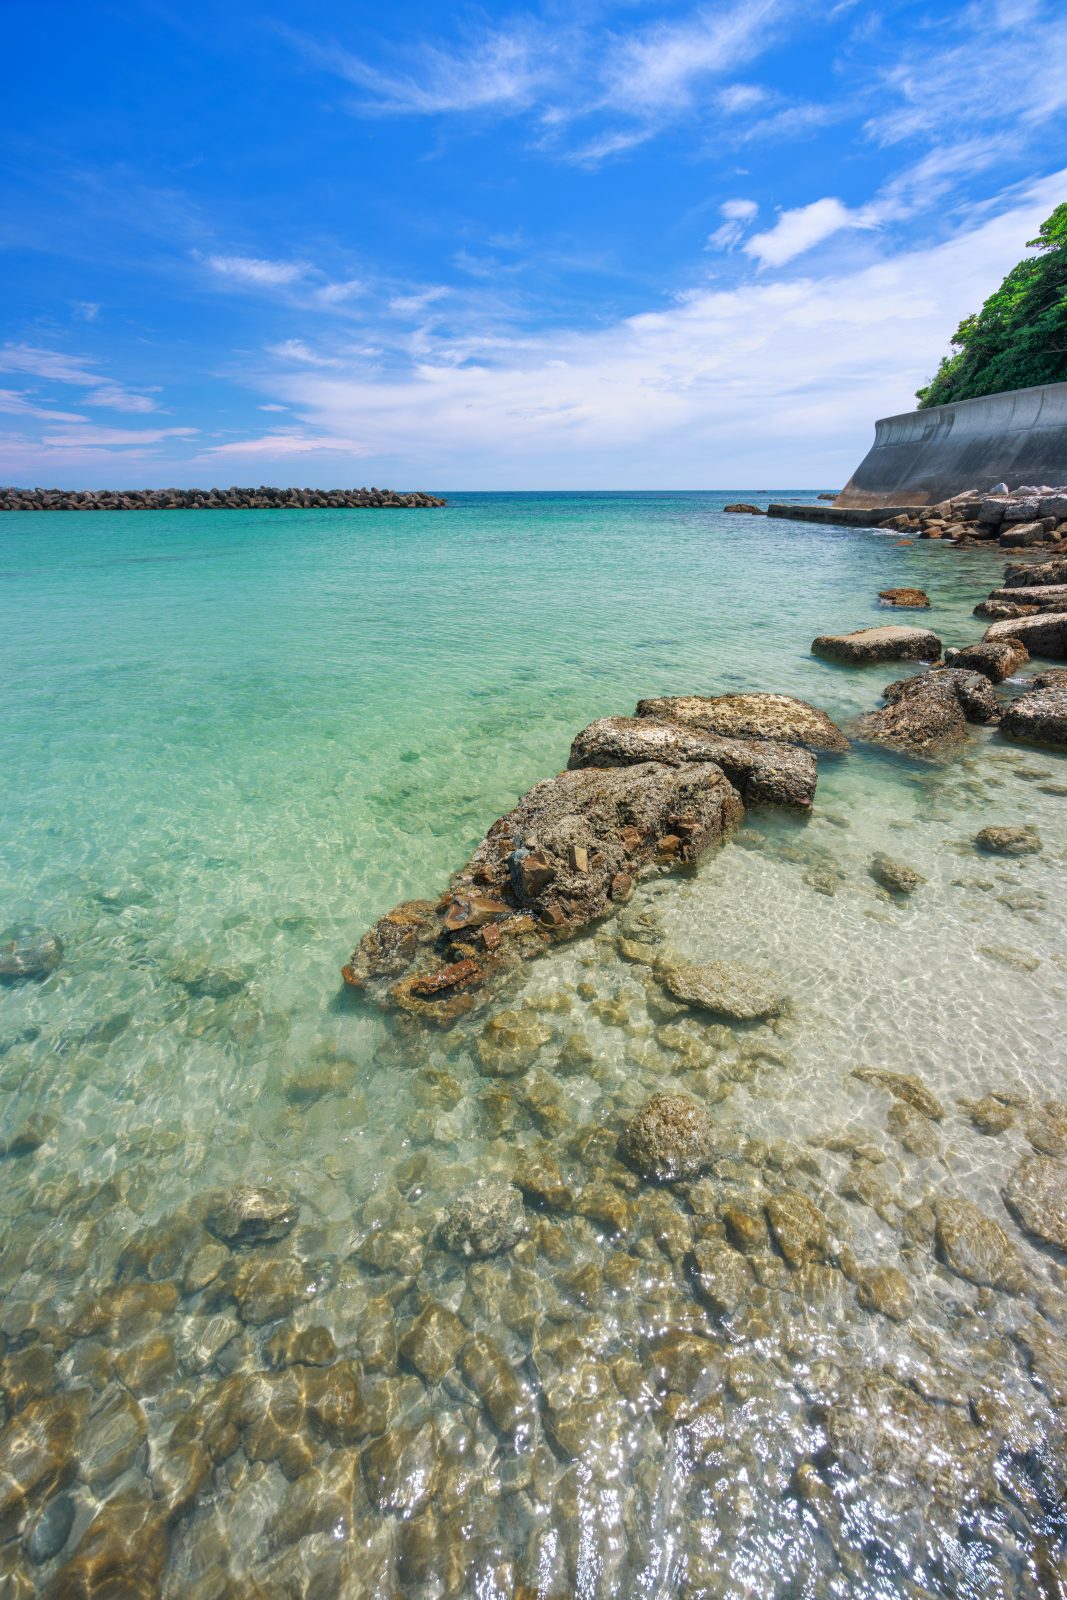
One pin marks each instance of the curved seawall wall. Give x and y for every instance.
(921, 457)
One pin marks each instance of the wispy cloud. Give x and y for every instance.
(15, 403)
(53, 366)
(802, 227)
(659, 68)
(255, 270)
(297, 350)
(735, 214)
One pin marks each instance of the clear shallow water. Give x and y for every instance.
(230, 741)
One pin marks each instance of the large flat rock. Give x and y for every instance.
(764, 771)
(865, 646)
(566, 856)
(1049, 596)
(1043, 635)
(777, 717)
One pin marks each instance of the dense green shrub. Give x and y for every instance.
(1020, 335)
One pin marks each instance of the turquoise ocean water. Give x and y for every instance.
(229, 741)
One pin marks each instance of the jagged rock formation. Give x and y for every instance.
(927, 715)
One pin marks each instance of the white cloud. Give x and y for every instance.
(88, 434)
(772, 382)
(801, 228)
(87, 310)
(413, 305)
(285, 444)
(255, 270)
(297, 350)
(658, 69)
(740, 97)
(336, 294)
(13, 401)
(272, 408)
(115, 398)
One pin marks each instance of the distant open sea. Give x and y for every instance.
(230, 740)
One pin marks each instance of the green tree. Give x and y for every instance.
(1019, 337)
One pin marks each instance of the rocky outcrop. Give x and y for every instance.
(1002, 610)
(776, 717)
(927, 715)
(1044, 597)
(865, 646)
(904, 599)
(261, 499)
(995, 659)
(762, 770)
(1021, 575)
(1043, 635)
(1039, 717)
(746, 508)
(567, 855)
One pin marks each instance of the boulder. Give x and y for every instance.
(775, 717)
(762, 770)
(485, 1219)
(865, 646)
(1049, 597)
(1008, 841)
(27, 951)
(1036, 1196)
(995, 659)
(1018, 535)
(977, 1248)
(894, 875)
(1023, 575)
(904, 599)
(927, 716)
(567, 855)
(248, 1215)
(1043, 635)
(1038, 717)
(669, 1138)
(725, 988)
(743, 506)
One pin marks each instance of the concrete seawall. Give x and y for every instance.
(921, 457)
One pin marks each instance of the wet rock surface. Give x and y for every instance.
(927, 716)
(896, 876)
(904, 599)
(866, 646)
(485, 1219)
(1043, 635)
(776, 717)
(995, 659)
(1036, 1194)
(764, 771)
(669, 1138)
(248, 1215)
(566, 856)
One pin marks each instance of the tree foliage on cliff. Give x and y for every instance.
(1020, 335)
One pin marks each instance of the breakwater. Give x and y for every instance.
(232, 499)
(921, 457)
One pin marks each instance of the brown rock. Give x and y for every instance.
(431, 1342)
(798, 1226)
(907, 599)
(670, 1138)
(976, 1247)
(865, 646)
(776, 717)
(1036, 1196)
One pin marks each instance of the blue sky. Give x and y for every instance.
(584, 245)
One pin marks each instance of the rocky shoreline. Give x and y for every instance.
(232, 499)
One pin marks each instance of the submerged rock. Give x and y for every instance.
(725, 988)
(431, 1343)
(894, 875)
(27, 951)
(868, 645)
(885, 1289)
(669, 1138)
(776, 717)
(905, 599)
(1036, 1196)
(249, 1215)
(903, 1086)
(995, 659)
(927, 716)
(486, 1218)
(976, 1247)
(46, 1536)
(798, 1226)
(567, 855)
(1008, 841)
(764, 771)
(1038, 717)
